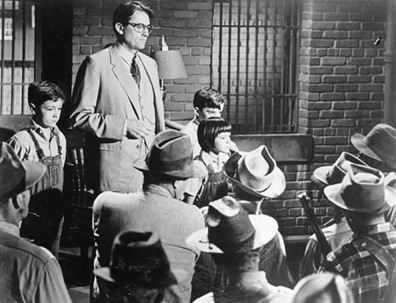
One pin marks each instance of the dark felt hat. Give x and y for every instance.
(172, 155)
(231, 230)
(138, 257)
(362, 190)
(379, 144)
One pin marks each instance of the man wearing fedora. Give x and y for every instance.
(139, 269)
(256, 178)
(336, 231)
(234, 239)
(28, 273)
(366, 262)
(378, 150)
(157, 209)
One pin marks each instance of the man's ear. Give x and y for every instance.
(32, 108)
(119, 28)
(197, 111)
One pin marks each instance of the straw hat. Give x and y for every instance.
(17, 176)
(256, 173)
(362, 190)
(172, 155)
(231, 230)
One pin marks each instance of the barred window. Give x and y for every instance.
(18, 55)
(254, 63)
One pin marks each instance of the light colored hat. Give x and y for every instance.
(17, 176)
(138, 257)
(379, 144)
(256, 173)
(362, 190)
(231, 230)
(312, 287)
(172, 155)
(334, 174)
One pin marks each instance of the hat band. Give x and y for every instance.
(172, 165)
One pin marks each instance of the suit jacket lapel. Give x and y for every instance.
(126, 80)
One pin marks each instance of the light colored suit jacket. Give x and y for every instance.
(104, 96)
(154, 210)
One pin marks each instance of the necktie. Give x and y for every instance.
(135, 71)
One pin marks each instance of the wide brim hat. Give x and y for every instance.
(379, 144)
(263, 228)
(138, 257)
(243, 169)
(172, 155)
(363, 190)
(17, 176)
(333, 174)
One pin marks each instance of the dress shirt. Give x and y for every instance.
(191, 129)
(366, 276)
(28, 273)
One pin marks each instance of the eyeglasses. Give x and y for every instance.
(139, 27)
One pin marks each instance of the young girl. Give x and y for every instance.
(216, 147)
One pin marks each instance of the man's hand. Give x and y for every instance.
(136, 129)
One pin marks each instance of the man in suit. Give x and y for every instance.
(118, 104)
(157, 209)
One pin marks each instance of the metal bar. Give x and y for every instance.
(273, 70)
(2, 54)
(256, 68)
(229, 61)
(23, 55)
(265, 67)
(220, 44)
(13, 58)
(295, 82)
(283, 65)
(237, 62)
(247, 66)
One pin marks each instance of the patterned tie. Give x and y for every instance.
(135, 71)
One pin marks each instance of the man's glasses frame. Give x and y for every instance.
(140, 28)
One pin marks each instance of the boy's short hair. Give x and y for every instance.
(41, 91)
(125, 10)
(208, 97)
(208, 130)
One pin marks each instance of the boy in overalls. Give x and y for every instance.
(42, 141)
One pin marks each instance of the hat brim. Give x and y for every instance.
(358, 142)
(265, 227)
(170, 279)
(320, 176)
(333, 194)
(276, 188)
(34, 172)
(195, 170)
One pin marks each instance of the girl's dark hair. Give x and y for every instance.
(209, 129)
(41, 91)
(124, 11)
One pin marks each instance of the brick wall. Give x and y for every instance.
(341, 75)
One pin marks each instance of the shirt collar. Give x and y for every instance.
(255, 280)
(375, 229)
(212, 158)
(38, 129)
(158, 190)
(9, 228)
(126, 55)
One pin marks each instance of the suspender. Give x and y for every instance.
(39, 150)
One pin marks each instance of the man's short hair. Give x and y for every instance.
(124, 11)
(208, 97)
(41, 91)
(209, 129)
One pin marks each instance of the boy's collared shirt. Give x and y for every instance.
(24, 147)
(191, 129)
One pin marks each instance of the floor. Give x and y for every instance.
(77, 273)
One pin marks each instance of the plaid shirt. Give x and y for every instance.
(364, 274)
